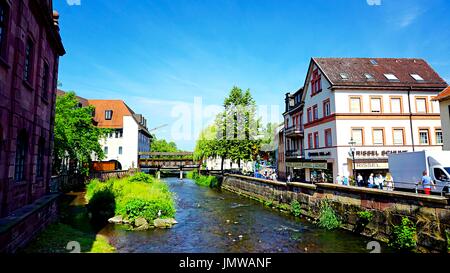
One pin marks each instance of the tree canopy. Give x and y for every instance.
(76, 137)
(161, 145)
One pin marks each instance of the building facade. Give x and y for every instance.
(371, 106)
(444, 103)
(30, 47)
(129, 134)
(293, 136)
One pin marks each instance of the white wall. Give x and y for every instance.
(445, 119)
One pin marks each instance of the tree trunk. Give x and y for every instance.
(221, 164)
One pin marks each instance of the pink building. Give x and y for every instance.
(30, 47)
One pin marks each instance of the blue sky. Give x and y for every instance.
(157, 54)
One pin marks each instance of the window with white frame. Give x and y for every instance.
(439, 137)
(355, 105)
(421, 105)
(378, 137)
(396, 105)
(398, 137)
(357, 135)
(375, 105)
(424, 137)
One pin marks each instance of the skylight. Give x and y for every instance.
(344, 76)
(368, 76)
(391, 77)
(374, 62)
(417, 77)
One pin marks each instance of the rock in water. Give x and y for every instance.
(116, 220)
(164, 223)
(143, 227)
(140, 221)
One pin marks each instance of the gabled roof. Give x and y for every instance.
(119, 108)
(444, 95)
(356, 68)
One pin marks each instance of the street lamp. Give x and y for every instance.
(352, 144)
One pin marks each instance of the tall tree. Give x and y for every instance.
(76, 137)
(238, 127)
(161, 145)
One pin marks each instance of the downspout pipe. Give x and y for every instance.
(410, 118)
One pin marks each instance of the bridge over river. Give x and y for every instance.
(165, 161)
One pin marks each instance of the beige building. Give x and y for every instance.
(444, 102)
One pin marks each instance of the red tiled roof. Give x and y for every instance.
(83, 101)
(119, 108)
(402, 68)
(444, 95)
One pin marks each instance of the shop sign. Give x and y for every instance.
(314, 154)
(306, 165)
(372, 165)
(376, 153)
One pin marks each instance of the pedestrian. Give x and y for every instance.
(289, 178)
(345, 181)
(380, 181)
(389, 182)
(427, 182)
(359, 180)
(370, 181)
(338, 179)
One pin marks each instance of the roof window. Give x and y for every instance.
(417, 77)
(391, 77)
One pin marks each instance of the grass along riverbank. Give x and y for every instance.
(203, 180)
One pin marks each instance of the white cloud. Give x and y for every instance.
(74, 2)
(374, 2)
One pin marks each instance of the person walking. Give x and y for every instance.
(338, 179)
(370, 181)
(289, 178)
(359, 180)
(389, 182)
(345, 181)
(380, 181)
(427, 183)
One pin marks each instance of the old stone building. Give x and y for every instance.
(30, 47)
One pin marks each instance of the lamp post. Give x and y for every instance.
(352, 152)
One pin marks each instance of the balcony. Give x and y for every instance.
(295, 154)
(294, 131)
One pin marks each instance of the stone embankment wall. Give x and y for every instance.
(431, 214)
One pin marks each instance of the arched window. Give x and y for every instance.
(40, 158)
(21, 154)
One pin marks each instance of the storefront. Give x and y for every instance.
(310, 171)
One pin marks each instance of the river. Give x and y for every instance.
(211, 221)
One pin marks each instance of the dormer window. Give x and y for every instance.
(417, 77)
(368, 76)
(391, 77)
(344, 76)
(108, 114)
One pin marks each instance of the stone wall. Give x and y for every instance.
(430, 213)
(18, 229)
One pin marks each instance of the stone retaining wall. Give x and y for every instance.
(18, 229)
(430, 213)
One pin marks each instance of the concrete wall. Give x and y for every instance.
(430, 213)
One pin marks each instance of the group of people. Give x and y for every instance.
(374, 181)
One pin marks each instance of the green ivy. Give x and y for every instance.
(404, 235)
(295, 208)
(365, 216)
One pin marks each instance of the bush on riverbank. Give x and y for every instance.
(203, 180)
(404, 236)
(327, 217)
(137, 196)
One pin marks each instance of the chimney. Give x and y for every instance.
(56, 19)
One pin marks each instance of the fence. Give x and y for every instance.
(67, 183)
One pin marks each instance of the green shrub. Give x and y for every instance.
(141, 196)
(403, 236)
(206, 181)
(327, 217)
(295, 208)
(141, 177)
(192, 175)
(365, 216)
(284, 207)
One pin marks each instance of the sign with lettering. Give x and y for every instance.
(306, 165)
(313, 154)
(371, 165)
(375, 153)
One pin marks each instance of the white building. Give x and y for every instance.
(214, 163)
(129, 134)
(383, 105)
(444, 102)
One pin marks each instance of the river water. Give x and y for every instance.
(211, 221)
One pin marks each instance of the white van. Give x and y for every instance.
(407, 169)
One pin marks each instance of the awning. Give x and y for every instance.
(307, 165)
